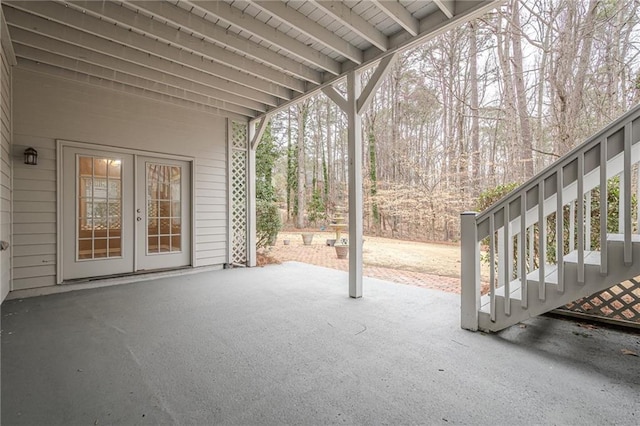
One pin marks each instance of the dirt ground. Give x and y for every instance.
(437, 259)
(430, 265)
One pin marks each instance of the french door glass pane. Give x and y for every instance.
(99, 214)
(163, 213)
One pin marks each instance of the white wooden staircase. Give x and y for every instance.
(567, 233)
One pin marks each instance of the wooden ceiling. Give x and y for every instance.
(231, 57)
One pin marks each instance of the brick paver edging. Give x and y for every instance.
(319, 255)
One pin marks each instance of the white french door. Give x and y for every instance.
(123, 213)
(163, 215)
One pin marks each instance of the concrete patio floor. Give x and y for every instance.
(285, 345)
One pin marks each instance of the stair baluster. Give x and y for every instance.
(581, 221)
(522, 251)
(542, 246)
(604, 209)
(627, 194)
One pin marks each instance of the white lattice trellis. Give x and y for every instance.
(238, 173)
(239, 135)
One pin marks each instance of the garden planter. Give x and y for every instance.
(286, 242)
(307, 238)
(342, 251)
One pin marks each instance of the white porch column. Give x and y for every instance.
(354, 143)
(357, 100)
(251, 205)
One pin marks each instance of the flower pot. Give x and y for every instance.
(331, 242)
(286, 242)
(306, 239)
(342, 251)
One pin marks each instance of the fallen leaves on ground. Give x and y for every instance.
(264, 259)
(588, 326)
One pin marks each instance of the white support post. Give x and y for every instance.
(355, 184)
(352, 106)
(255, 135)
(470, 271)
(252, 238)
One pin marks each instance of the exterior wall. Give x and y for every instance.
(5, 174)
(47, 108)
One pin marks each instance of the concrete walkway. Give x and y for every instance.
(285, 345)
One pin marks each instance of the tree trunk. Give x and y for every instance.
(300, 196)
(526, 147)
(474, 105)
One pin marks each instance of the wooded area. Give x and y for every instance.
(487, 104)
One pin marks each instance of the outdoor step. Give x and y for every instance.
(594, 282)
(590, 257)
(515, 288)
(550, 274)
(515, 292)
(635, 238)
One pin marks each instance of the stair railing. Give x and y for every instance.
(514, 232)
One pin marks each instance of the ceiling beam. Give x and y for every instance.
(24, 37)
(5, 39)
(68, 20)
(398, 13)
(224, 58)
(44, 57)
(430, 27)
(42, 68)
(311, 29)
(355, 23)
(220, 36)
(51, 31)
(446, 6)
(236, 18)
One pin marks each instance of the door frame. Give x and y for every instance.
(62, 143)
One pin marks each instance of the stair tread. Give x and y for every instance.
(635, 238)
(515, 290)
(550, 271)
(590, 257)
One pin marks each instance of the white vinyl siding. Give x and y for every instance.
(49, 108)
(5, 174)
(34, 214)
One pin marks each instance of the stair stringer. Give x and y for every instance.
(594, 282)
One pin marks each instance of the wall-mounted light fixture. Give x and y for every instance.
(30, 156)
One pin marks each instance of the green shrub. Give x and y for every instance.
(489, 196)
(267, 215)
(267, 223)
